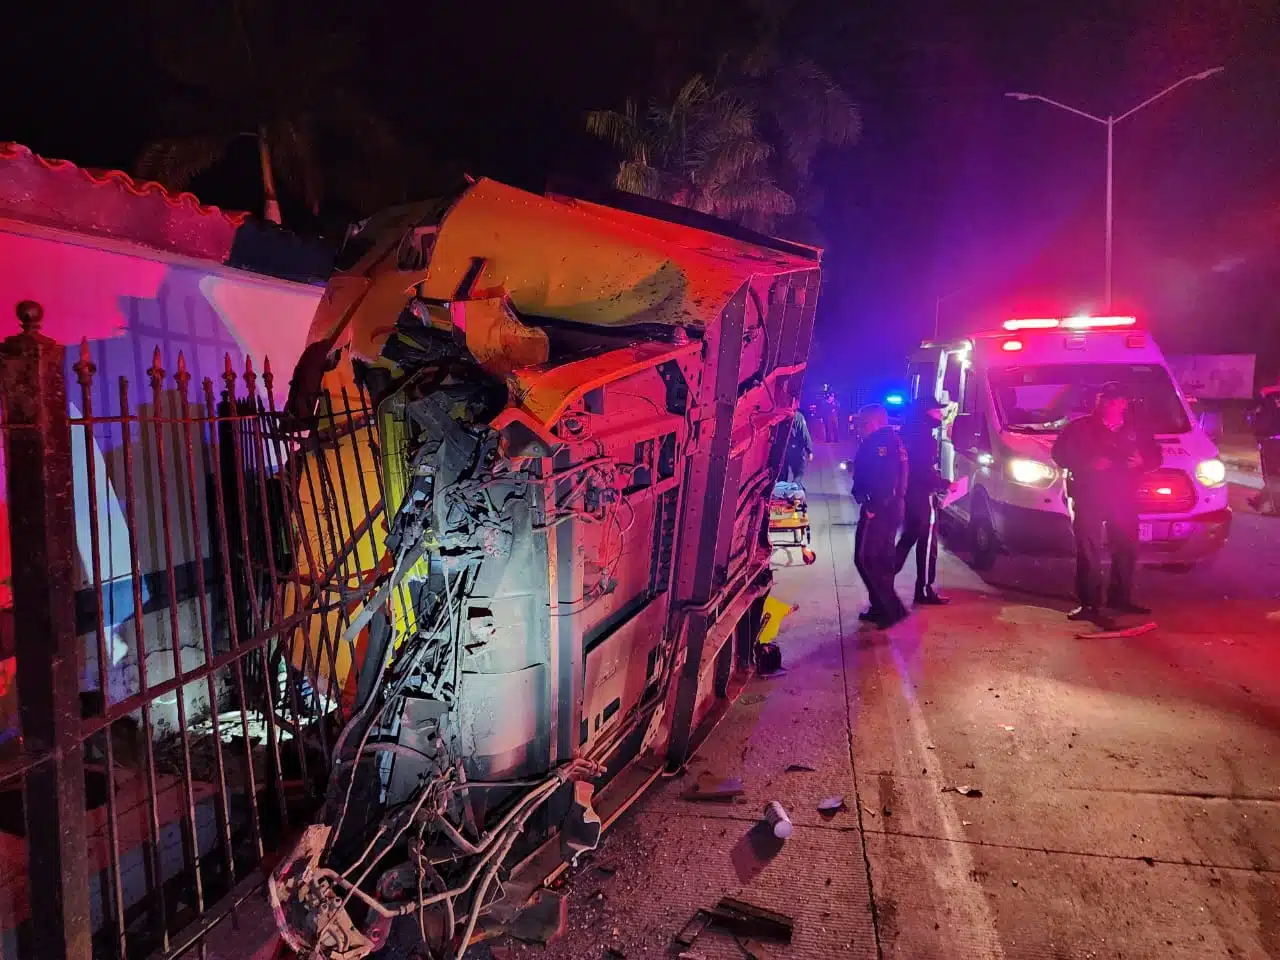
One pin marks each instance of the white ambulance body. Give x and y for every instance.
(1012, 393)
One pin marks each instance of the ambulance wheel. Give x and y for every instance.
(983, 542)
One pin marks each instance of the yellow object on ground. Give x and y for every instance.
(774, 612)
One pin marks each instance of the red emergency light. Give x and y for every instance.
(1089, 323)
(1032, 324)
(1069, 323)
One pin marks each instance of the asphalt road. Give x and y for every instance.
(1129, 799)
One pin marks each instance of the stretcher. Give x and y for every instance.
(789, 520)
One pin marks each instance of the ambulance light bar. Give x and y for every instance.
(1070, 323)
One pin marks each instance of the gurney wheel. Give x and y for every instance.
(808, 555)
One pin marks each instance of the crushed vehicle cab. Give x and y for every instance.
(1012, 391)
(543, 552)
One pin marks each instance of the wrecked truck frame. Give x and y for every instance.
(581, 409)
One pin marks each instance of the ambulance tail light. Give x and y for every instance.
(1011, 346)
(1211, 473)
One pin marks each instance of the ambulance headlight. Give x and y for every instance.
(1211, 473)
(1030, 473)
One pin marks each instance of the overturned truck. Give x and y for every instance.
(555, 582)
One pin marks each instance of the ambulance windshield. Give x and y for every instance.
(1045, 398)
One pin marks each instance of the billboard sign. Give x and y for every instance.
(1227, 376)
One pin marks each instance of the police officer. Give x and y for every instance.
(799, 449)
(1105, 453)
(879, 484)
(924, 483)
(1266, 430)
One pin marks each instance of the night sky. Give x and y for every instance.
(951, 186)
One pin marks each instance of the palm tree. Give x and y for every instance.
(247, 68)
(702, 150)
(713, 146)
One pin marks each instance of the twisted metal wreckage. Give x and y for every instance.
(580, 412)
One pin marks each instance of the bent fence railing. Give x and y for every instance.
(180, 585)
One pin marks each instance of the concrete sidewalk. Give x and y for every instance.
(669, 857)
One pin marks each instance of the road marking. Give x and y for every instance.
(974, 936)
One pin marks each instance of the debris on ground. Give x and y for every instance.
(800, 768)
(745, 921)
(775, 815)
(751, 699)
(831, 805)
(545, 919)
(714, 790)
(964, 790)
(752, 949)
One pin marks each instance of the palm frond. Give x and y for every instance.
(637, 177)
(621, 129)
(175, 162)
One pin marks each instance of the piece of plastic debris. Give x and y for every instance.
(545, 919)
(776, 816)
(964, 790)
(725, 790)
(800, 768)
(744, 919)
(1005, 726)
(831, 805)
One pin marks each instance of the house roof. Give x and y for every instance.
(110, 203)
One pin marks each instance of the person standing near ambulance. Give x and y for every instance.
(879, 485)
(1105, 455)
(924, 484)
(1265, 417)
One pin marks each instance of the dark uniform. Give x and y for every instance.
(799, 449)
(920, 517)
(1104, 468)
(879, 484)
(1266, 430)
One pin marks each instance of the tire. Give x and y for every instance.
(984, 544)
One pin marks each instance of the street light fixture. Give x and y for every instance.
(1110, 123)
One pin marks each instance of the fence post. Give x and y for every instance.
(42, 532)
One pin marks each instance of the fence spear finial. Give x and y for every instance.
(183, 376)
(228, 376)
(268, 378)
(157, 371)
(84, 367)
(250, 378)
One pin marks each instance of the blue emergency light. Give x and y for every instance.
(894, 399)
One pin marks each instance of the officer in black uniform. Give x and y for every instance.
(799, 449)
(879, 484)
(1106, 453)
(1266, 430)
(924, 484)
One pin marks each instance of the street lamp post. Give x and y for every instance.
(1110, 123)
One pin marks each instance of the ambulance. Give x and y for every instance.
(1010, 392)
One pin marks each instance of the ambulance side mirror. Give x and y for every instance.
(965, 431)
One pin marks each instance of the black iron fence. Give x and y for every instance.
(184, 561)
